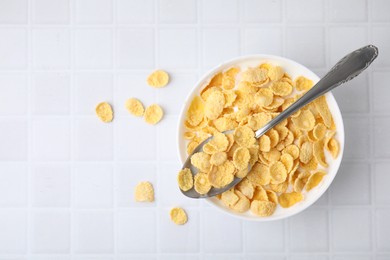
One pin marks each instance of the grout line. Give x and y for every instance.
(114, 156)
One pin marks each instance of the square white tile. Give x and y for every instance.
(179, 238)
(380, 91)
(131, 223)
(16, 100)
(309, 231)
(135, 140)
(13, 11)
(381, 179)
(357, 137)
(177, 11)
(127, 176)
(305, 11)
(93, 232)
(135, 11)
(50, 231)
(13, 235)
(352, 185)
(263, 40)
(308, 51)
(169, 193)
(93, 11)
(13, 184)
(91, 88)
(174, 44)
(167, 138)
(381, 142)
(92, 185)
(51, 139)
(382, 229)
(217, 223)
(51, 11)
(378, 10)
(256, 242)
(259, 11)
(135, 48)
(50, 93)
(336, 11)
(214, 52)
(93, 140)
(51, 185)
(219, 11)
(13, 48)
(173, 96)
(14, 139)
(380, 37)
(51, 48)
(345, 234)
(93, 48)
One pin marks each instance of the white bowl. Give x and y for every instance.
(294, 69)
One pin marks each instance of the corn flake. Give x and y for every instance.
(281, 88)
(277, 172)
(215, 103)
(222, 175)
(195, 112)
(303, 84)
(244, 136)
(201, 161)
(201, 183)
(243, 203)
(144, 192)
(287, 200)
(259, 175)
(153, 114)
(158, 79)
(178, 216)
(241, 158)
(218, 158)
(104, 112)
(314, 180)
(304, 121)
(185, 180)
(135, 107)
(263, 208)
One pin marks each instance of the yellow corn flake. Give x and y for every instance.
(263, 208)
(289, 138)
(247, 88)
(158, 79)
(144, 192)
(323, 110)
(274, 137)
(246, 188)
(229, 197)
(318, 152)
(301, 140)
(287, 200)
(311, 165)
(306, 152)
(254, 75)
(333, 147)
(292, 150)
(272, 196)
(191, 147)
(201, 183)
(260, 194)
(281, 88)
(178, 216)
(303, 84)
(259, 175)
(244, 136)
(104, 112)
(189, 135)
(264, 143)
(257, 121)
(254, 153)
(282, 132)
(299, 184)
(275, 73)
(153, 114)
(218, 158)
(201, 161)
(272, 156)
(221, 175)
(205, 95)
(264, 97)
(135, 107)
(241, 174)
(304, 121)
(195, 112)
(243, 203)
(220, 142)
(216, 81)
(280, 188)
(214, 105)
(228, 82)
(185, 180)
(277, 172)
(241, 158)
(230, 97)
(223, 123)
(288, 161)
(276, 103)
(319, 131)
(314, 180)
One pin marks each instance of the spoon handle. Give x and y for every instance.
(346, 69)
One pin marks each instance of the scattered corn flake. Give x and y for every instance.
(153, 114)
(314, 180)
(241, 158)
(135, 107)
(201, 183)
(104, 112)
(144, 192)
(277, 172)
(287, 200)
(158, 79)
(263, 208)
(218, 158)
(178, 216)
(185, 179)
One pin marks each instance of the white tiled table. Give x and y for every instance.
(66, 179)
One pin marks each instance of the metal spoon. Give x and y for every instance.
(346, 69)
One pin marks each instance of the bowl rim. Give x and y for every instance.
(329, 95)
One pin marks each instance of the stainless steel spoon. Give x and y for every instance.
(346, 69)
